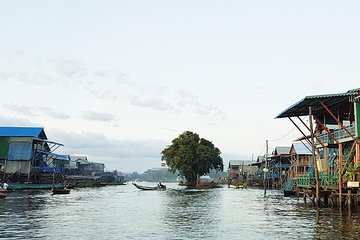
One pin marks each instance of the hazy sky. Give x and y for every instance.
(118, 80)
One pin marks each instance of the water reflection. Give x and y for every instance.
(21, 213)
(192, 214)
(337, 224)
(126, 213)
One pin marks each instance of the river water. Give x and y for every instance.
(124, 212)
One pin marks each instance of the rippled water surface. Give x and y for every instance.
(124, 212)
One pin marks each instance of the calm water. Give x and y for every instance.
(124, 212)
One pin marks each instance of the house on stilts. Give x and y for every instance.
(330, 127)
(28, 160)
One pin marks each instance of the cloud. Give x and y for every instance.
(15, 122)
(51, 113)
(191, 100)
(114, 86)
(28, 111)
(69, 68)
(98, 116)
(258, 88)
(106, 94)
(153, 103)
(32, 111)
(123, 155)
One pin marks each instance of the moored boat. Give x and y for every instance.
(289, 193)
(60, 191)
(146, 188)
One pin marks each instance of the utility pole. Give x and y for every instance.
(265, 168)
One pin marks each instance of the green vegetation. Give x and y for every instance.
(351, 170)
(192, 157)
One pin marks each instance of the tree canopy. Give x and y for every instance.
(192, 157)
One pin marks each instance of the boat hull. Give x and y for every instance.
(60, 191)
(146, 188)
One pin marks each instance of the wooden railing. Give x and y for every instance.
(326, 180)
(339, 134)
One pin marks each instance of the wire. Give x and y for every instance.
(277, 139)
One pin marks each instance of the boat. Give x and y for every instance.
(236, 186)
(289, 193)
(146, 188)
(60, 191)
(5, 190)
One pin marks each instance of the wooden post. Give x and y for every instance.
(265, 168)
(317, 182)
(326, 156)
(340, 172)
(357, 151)
(349, 198)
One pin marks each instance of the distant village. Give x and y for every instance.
(322, 165)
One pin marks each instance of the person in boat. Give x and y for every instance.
(5, 186)
(161, 186)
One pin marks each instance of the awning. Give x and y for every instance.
(56, 156)
(301, 108)
(47, 141)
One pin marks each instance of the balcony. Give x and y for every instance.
(339, 134)
(326, 180)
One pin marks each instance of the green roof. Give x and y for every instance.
(301, 108)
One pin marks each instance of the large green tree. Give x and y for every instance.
(192, 157)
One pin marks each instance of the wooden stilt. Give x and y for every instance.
(317, 180)
(349, 198)
(357, 151)
(340, 172)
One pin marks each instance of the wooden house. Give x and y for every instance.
(278, 165)
(240, 171)
(332, 124)
(27, 155)
(300, 159)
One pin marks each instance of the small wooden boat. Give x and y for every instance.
(5, 190)
(60, 191)
(289, 193)
(146, 188)
(236, 186)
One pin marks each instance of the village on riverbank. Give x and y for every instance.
(322, 165)
(28, 161)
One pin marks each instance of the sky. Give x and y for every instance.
(118, 80)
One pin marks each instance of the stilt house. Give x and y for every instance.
(26, 154)
(332, 131)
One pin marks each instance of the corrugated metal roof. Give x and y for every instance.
(239, 162)
(282, 150)
(235, 162)
(301, 108)
(36, 132)
(302, 148)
